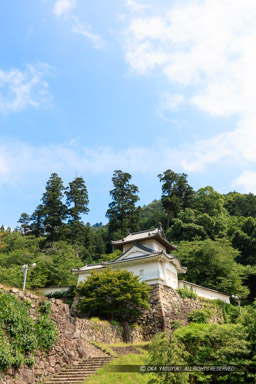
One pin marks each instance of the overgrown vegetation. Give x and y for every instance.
(187, 293)
(206, 344)
(114, 295)
(20, 336)
(215, 233)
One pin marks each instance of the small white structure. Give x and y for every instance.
(207, 293)
(146, 254)
(51, 290)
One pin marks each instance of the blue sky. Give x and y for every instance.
(143, 86)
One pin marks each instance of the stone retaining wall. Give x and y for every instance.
(72, 345)
(167, 306)
(103, 332)
(76, 333)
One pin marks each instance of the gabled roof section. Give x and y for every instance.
(157, 234)
(141, 250)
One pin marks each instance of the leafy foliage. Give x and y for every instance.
(112, 295)
(203, 344)
(20, 336)
(187, 293)
(200, 316)
(212, 264)
(177, 194)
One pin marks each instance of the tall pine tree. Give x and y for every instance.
(54, 211)
(77, 199)
(123, 214)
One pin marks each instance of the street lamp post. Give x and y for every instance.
(25, 269)
(238, 300)
(154, 317)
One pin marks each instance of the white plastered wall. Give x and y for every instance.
(204, 292)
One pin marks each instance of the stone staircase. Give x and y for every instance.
(79, 373)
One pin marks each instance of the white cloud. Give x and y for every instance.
(135, 6)
(86, 31)
(169, 102)
(20, 160)
(22, 89)
(246, 182)
(63, 7)
(207, 48)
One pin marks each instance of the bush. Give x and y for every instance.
(186, 293)
(113, 295)
(203, 345)
(20, 336)
(200, 316)
(230, 312)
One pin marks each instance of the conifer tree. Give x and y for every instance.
(123, 214)
(77, 199)
(37, 221)
(54, 211)
(24, 222)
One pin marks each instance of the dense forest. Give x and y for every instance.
(215, 233)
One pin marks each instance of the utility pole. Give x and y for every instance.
(25, 269)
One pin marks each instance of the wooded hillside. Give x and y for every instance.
(215, 233)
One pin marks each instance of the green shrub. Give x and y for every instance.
(20, 335)
(45, 307)
(47, 333)
(200, 316)
(5, 355)
(230, 312)
(115, 323)
(177, 324)
(95, 319)
(186, 293)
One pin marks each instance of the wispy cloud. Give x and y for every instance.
(63, 7)
(136, 6)
(87, 31)
(169, 102)
(22, 89)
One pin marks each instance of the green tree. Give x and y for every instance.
(54, 210)
(207, 200)
(24, 222)
(203, 344)
(37, 218)
(177, 194)
(238, 204)
(151, 215)
(212, 264)
(123, 214)
(112, 295)
(77, 199)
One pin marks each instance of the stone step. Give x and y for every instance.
(66, 382)
(74, 374)
(78, 373)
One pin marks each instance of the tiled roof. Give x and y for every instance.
(156, 233)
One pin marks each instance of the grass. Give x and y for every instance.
(103, 376)
(108, 347)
